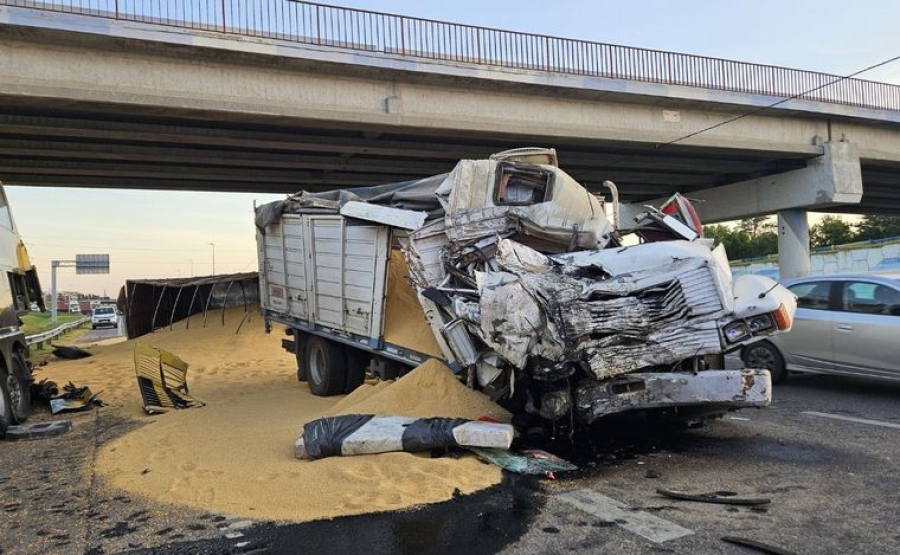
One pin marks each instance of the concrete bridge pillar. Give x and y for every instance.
(793, 243)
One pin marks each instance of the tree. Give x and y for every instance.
(751, 238)
(832, 230)
(878, 227)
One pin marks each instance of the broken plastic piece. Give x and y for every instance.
(38, 430)
(715, 497)
(162, 380)
(528, 461)
(75, 399)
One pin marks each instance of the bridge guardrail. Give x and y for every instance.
(397, 35)
(39, 338)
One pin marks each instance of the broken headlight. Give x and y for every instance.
(760, 323)
(736, 331)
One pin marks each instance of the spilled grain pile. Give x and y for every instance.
(235, 456)
(429, 390)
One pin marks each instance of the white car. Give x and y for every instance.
(104, 316)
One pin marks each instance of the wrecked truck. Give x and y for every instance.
(20, 291)
(522, 282)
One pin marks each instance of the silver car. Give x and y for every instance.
(845, 324)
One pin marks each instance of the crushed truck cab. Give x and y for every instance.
(523, 284)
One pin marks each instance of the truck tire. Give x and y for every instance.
(357, 361)
(300, 341)
(326, 367)
(5, 405)
(19, 390)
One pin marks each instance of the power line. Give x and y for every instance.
(659, 146)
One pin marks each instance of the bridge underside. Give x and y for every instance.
(83, 145)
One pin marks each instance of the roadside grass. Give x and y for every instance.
(38, 322)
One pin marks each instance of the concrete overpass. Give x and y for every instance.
(306, 100)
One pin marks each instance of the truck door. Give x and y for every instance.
(348, 261)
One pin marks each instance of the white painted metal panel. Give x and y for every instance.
(347, 263)
(295, 263)
(397, 217)
(275, 295)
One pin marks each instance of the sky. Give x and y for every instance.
(152, 234)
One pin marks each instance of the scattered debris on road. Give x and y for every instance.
(525, 461)
(39, 430)
(74, 399)
(70, 353)
(721, 497)
(757, 545)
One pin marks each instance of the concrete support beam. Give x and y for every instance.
(793, 243)
(833, 178)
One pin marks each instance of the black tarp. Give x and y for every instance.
(417, 195)
(157, 303)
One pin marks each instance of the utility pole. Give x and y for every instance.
(84, 264)
(214, 258)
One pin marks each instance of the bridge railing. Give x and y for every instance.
(361, 30)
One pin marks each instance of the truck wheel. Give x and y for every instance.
(326, 367)
(357, 361)
(5, 405)
(765, 355)
(19, 392)
(300, 341)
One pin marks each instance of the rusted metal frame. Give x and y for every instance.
(129, 303)
(187, 323)
(174, 308)
(156, 310)
(225, 303)
(208, 299)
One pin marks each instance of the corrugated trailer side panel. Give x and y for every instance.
(295, 263)
(347, 265)
(272, 284)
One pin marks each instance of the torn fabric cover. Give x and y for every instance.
(162, 379)
(324, 437)
(418, 195)
(366, 434)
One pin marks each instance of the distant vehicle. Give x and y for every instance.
(74, 307)
(846, 325)
(104, 316)
(34, 307)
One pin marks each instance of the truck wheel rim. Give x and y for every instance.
(759, 357)
(15, 393)
(317, 364)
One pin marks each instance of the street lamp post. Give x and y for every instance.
(214, 257)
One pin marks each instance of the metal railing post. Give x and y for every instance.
(433, 39)
(318, 26)
(402, 35)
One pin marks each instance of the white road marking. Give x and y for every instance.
(852, 419)
(605, 508)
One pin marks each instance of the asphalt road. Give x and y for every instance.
(99, 334)
(825, 455)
